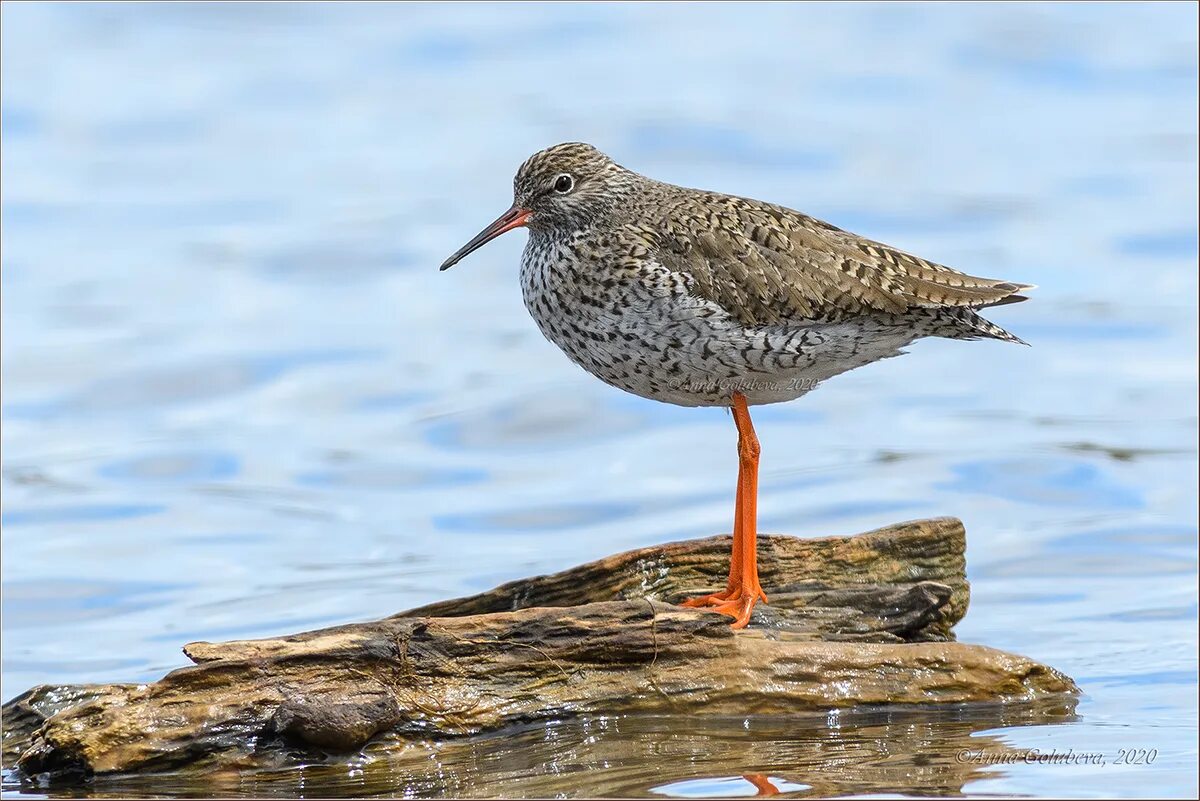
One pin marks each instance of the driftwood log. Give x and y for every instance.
(860, 621)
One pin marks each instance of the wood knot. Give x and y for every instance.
(336, 725)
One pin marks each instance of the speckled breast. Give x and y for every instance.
(637, 326)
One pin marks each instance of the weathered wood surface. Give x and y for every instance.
(863, 620)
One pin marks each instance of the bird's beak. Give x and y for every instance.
(515, 217)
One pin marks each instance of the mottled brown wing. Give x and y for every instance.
(766, 264)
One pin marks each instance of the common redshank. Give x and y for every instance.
(703, 299)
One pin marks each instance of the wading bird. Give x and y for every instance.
(703, 299)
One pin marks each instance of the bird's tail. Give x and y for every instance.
(969, 324)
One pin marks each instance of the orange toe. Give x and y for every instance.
(712, 599)
(739, 607)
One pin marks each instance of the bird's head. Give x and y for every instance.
(562, 188)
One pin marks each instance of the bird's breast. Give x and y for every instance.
(638, 326)
(578, 299)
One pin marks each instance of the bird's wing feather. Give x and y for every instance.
(765, 264)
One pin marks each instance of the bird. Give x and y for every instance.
(699, 298)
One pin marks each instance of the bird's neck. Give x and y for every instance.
(551, 240)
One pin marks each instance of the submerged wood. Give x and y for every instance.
(863, 620)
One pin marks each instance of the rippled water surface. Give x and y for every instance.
(240, 400)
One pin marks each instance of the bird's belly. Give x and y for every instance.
(688, 351)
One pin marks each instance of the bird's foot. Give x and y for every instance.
(712, 599)
(736, 602)
(740, 606)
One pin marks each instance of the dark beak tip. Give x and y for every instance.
(515, 217)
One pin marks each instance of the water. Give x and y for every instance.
(240, 400)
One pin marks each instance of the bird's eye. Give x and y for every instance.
(564, 184)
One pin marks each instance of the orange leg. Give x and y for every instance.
(743, 589)
(761, 783)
